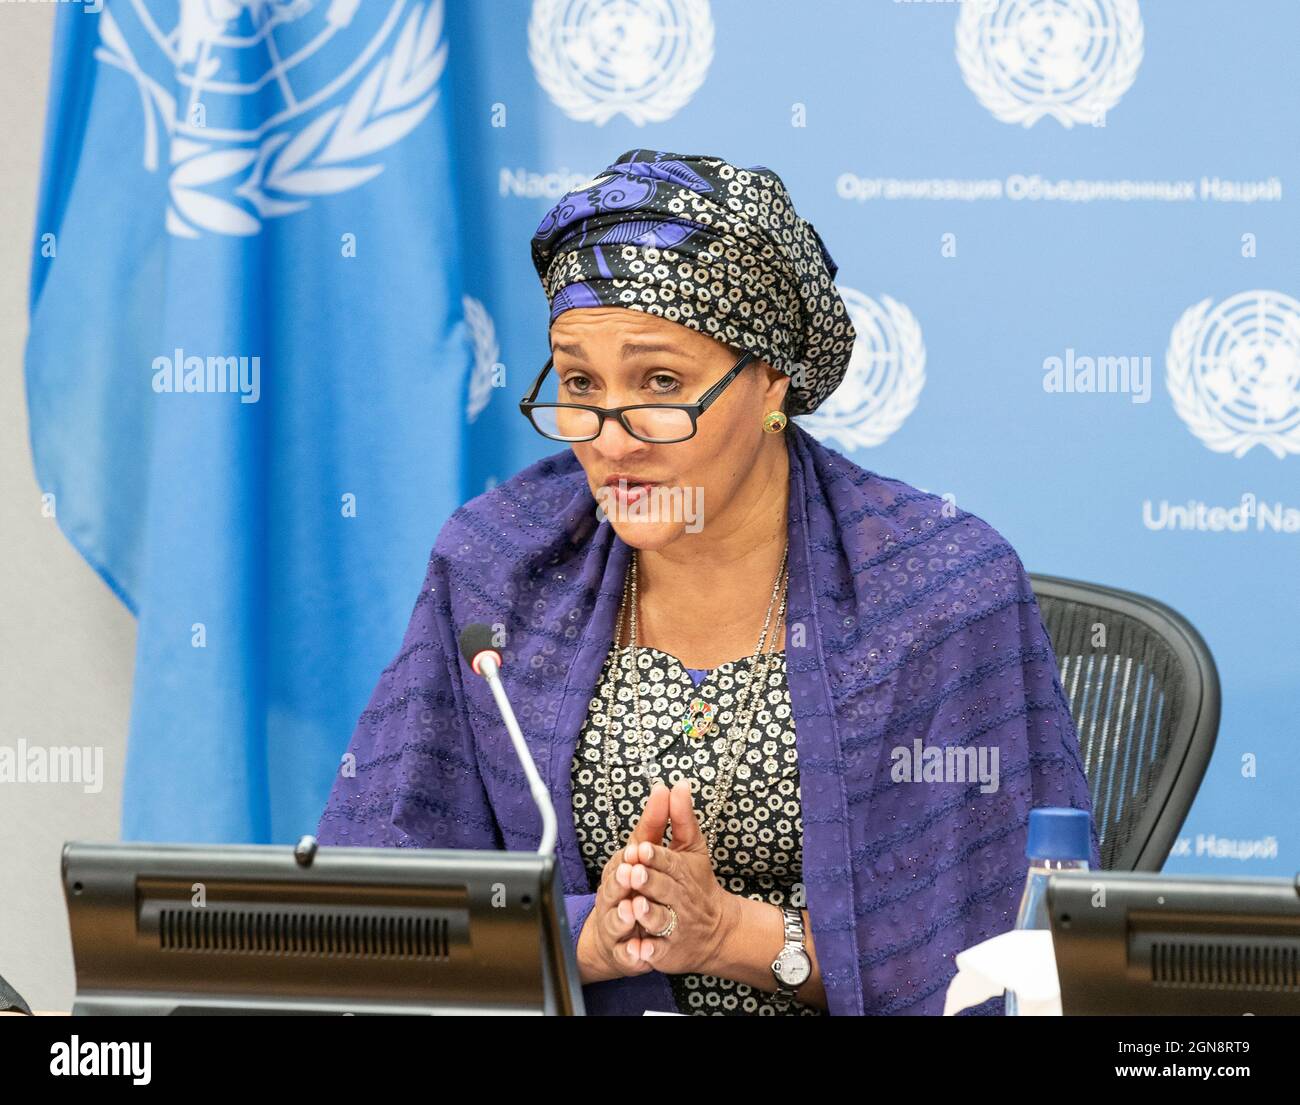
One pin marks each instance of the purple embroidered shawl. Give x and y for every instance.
(919, 625)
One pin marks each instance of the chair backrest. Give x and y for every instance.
(1144, 694)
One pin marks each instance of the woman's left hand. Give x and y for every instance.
(679, 875)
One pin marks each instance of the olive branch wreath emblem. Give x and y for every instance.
(980, 76)
(599, 106)
(1194, 409)
(858, 429)
(396, 93)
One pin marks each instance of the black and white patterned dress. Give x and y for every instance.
(759, 851)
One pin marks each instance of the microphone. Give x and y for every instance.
(483, 658)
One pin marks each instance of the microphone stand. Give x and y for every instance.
(490, 668)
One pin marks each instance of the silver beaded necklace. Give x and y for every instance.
(759, 666)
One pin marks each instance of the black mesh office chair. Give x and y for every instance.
(1144, 693)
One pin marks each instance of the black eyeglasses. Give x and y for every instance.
(655, 423)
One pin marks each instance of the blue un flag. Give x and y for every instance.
(246, 363)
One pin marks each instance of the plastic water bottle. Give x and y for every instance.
(1059, 840)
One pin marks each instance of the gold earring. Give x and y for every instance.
(774, 422)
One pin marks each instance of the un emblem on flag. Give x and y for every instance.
(884, 379)
(253, 107)
(597, 58)
(1233, 372)
(1070, 59)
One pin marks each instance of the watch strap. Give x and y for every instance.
(792, 920)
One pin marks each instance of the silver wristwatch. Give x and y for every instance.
(792, 967)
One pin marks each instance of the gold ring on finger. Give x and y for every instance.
(668, 930)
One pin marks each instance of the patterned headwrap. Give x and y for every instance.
(715, 247)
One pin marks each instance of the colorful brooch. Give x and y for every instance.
(699, 719)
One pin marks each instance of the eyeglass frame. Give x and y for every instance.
(527, 405)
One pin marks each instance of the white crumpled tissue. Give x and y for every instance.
(1021, 960)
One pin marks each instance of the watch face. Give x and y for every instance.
(793, 967)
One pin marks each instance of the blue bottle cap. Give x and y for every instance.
(1059, 834)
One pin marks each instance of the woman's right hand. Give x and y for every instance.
(609, 944)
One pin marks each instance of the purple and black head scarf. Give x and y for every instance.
(715, 247)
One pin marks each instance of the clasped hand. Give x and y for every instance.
(638, 885)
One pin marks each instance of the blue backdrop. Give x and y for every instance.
(1064, 229)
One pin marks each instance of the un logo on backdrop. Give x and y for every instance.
(883, 381)
(597, 58)
(487, 356)
(1070, 59)
(1234, 372)
(254, 106)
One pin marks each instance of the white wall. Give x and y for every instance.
(66, 644)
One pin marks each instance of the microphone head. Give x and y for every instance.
(474, 639)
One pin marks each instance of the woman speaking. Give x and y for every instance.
(793, 714)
